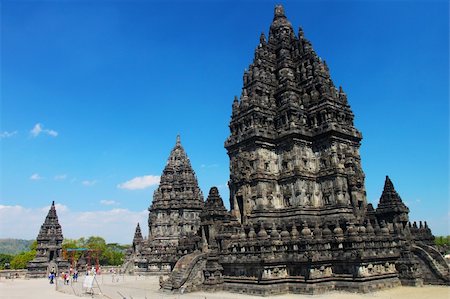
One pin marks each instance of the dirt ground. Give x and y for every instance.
(133, 287)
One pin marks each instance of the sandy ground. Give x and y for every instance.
(148, 287)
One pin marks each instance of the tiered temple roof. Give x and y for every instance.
(293, 143)
(178, 186)
(49, 256)
(391, 207)
(174, 214)
(51, 231)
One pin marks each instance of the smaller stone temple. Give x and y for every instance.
(49, 248)
(174, 218)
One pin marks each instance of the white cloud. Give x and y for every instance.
(88, 183)
(109, 202)
(6, 134)
(38, 129)
(60, 177)
(35, 177)
(52, 133)
(115, 225)
(140, 182)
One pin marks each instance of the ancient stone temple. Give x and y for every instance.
(174, 218)
(293, 148)
(299, 220)
(138, 239)
(49, 248)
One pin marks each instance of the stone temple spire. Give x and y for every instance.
(49, 246)
(178, 185)
(389, 195)
(137, 240)
(137, 234)
(178, 201)
(391, 207)
(51, 229)
(214, 201)
(292, 122)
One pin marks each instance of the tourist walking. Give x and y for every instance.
(67, 279)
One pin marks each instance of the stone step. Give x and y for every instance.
(442, 271)
(168, 286)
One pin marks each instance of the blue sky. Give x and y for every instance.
(93, 94)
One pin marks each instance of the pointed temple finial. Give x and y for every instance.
(178, 143)
(279, 12)
(301, 34)
(262, 38)
(388, 185)
(214, 191)
(53, 203)
(389, 193)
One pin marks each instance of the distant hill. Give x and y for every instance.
(14, 246)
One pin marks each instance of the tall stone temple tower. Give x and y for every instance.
(174, 215)
(293, 148)
(49, 247)
(299, 220)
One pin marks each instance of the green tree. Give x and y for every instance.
(95, 242)
(115, 253)
(99, 245)
(81, 242)
(20, 261)
(442, 240)
(70, 243)
(113, 258)
(33, 245)
(4, 259)
(108, 254)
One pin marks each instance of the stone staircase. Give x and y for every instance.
(186, 274)
(435, 264)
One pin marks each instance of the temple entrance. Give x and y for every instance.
(52, 255)
(206, 230)
(240, 202)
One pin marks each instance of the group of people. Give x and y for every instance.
(65, 276)
(72, 273)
